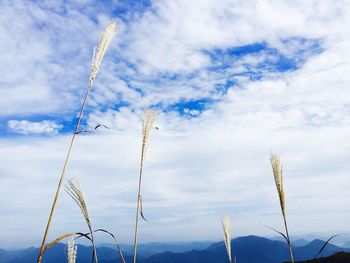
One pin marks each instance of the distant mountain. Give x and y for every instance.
(299, 242)
(347, 244)
(311, 249)
(58, 254)
(340, 257)
(149, 249)
(250, 249)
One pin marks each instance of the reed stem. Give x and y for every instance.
(147, 125)
(288, 239)
(65, 165)
(138, 206)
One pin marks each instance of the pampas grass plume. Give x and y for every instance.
(227, 235)
(73, 188)
(72, 251)
(105, 41)
(278, 176)
(147, 124)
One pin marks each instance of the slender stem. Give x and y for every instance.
(94, 246)
(138, 203)
(119, 250)
(289, 244)
(65, 165)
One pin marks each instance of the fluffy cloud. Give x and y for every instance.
(29, 127)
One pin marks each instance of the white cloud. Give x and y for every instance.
(30, 127)
(172, 36)
(194, 172)
(46, 55)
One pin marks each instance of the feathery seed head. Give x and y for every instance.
(278, 175)
(227, 235)
(147, 124)
(105, 41)
(72, 251)
(75, 191)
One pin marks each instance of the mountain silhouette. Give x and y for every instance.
(249, 249)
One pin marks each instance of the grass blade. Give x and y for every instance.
(325, 244)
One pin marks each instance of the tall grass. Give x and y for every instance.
(147, 125)
(278, 176)
(105, 40)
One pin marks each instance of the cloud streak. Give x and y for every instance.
(28, 127)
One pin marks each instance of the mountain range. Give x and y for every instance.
(248, 249)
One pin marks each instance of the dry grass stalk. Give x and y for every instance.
(73, 188)
(278, 176)
(106, 39)
(72, 251)
(147, 125)
(227, 236)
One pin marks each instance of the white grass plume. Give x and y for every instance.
(105, 41)
(72, 251)
(227, 236)
(147, 124)
(73, 188)
(278, 176)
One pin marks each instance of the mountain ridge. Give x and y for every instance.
(247, 249)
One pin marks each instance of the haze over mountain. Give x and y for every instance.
(248, 249)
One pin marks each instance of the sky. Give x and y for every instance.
(231, 81)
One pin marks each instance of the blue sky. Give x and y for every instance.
(231, 82)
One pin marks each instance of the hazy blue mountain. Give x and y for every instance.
(250, 249)
(299, 242)
(347, 244)
(311, 249)
(149, 249)
(58, 254)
